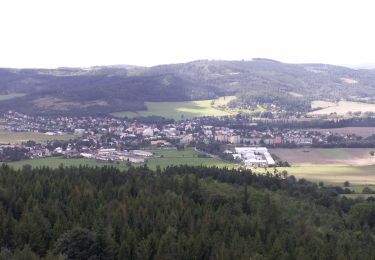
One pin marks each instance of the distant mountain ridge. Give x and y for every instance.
(106, 89)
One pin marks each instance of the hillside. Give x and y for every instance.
(178, 213)
(103, 90)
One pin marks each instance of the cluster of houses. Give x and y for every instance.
(115, 139)
(183, 132)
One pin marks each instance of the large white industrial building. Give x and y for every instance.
(254, 156)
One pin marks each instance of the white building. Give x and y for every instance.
(86, 155)
(234, 139)
(254, 156)
(148, 132)
(141, 153)
(79, 131)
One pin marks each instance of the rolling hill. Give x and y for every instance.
(104, 90)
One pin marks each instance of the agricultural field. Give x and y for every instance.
(181, 110)
(360, 131)
(7, 137)
(359, 175)
(320, 104)
(332, 166)
(326, 156)
(11, 96)
(340, 108)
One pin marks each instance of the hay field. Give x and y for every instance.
(340, 108)
(333, 166)
(358, 175)
(326, 156)
(8, 137)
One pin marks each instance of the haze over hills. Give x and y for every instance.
(107, 89)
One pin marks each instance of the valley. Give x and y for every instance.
(318, 118)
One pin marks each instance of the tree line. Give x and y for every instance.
(180, 212)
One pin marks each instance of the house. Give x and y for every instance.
(220, 137)
(299, 140)
(160, 142)
(234, 139)
(186, 139)
(277, 140)
(148, 132)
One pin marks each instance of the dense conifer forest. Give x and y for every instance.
(178, 213)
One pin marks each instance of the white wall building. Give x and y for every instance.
(254, 156)
(148, 132)
(141, 153)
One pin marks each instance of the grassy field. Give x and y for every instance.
(333, 166)
(341, 108)
(359, 188)
(169, 157)
(359, 175)
(188, 156)
(11, 96)
(328, 156)
(19, 137)
(319, 104)
(180, 110)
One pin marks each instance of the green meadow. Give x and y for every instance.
(19, 137)
(11, 96)
(187, 156)
(358, 176)
(164, 158)
(177, 110)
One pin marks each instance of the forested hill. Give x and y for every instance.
(101, 90)
(179, 213)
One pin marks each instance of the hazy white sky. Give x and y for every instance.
(52, 33)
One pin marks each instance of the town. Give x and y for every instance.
(111, 139)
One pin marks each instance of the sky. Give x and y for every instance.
(83, 33)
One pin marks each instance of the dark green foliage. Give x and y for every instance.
(103, 90)
(178, 213)
(77, 243)
(9, 154)
(282, 100)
